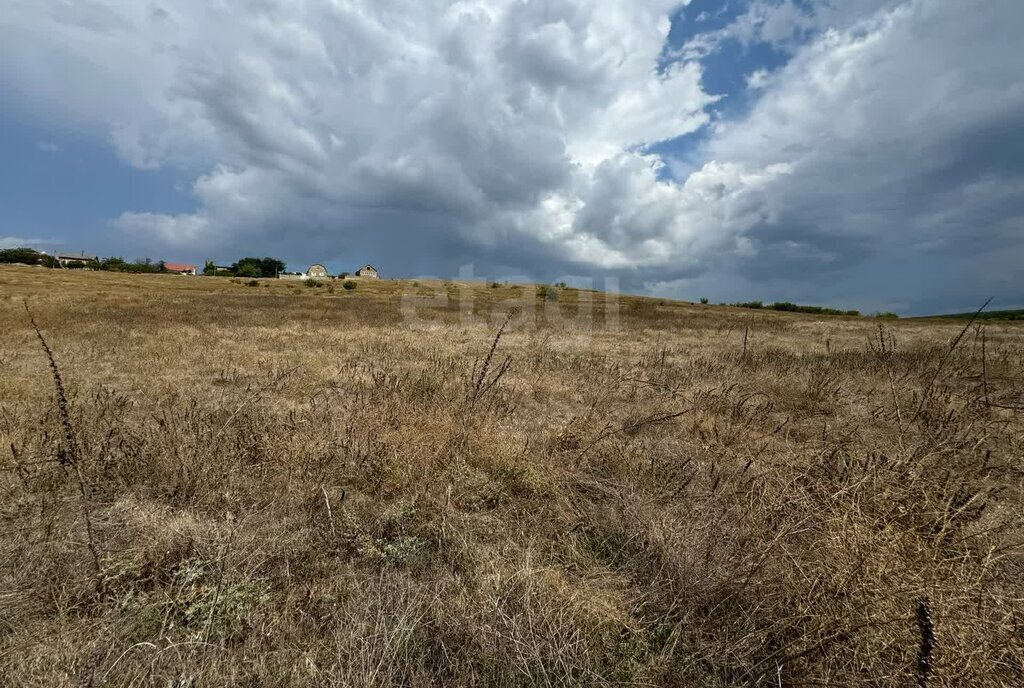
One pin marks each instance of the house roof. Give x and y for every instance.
(179, 267)
(367, 267)
(74, 256)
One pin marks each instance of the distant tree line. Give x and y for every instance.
(30, 256)
(1017, 314)
(246, 267)
(140, 265)
(788, 307)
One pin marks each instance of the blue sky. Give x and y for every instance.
(858, 153)
(60, 186)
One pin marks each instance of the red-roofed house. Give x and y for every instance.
(180, 268)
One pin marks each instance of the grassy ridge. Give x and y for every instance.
(291, 486)
(986, 315)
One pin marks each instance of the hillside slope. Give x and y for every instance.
(292, 486)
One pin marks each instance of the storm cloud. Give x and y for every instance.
(564, 137)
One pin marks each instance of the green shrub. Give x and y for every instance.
(254, 283)
(704, 300)
(749, 304)
(349, 285)
(494, 285)
(312, 283)
(416, 284)
(248, 271)
(547, 292)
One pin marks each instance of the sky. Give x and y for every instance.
(856, 153)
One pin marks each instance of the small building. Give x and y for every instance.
(368, 271)
(66, 259)
(316, 271)
(180, 268)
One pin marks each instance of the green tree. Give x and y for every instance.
(247, 270)
(266, 267)
(209, 268)
(27, 256)
(114, 264)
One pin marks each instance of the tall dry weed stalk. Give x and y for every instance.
(69, 454)
(926, 627)
(481, 382)
(926, 395)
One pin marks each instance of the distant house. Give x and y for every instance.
(316, 271)
(180, 268)
(368, 271)
(66, 259)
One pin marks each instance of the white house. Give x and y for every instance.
(368, 271)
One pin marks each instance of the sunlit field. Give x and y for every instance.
(453, 484)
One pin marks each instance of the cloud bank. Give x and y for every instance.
(563, 136)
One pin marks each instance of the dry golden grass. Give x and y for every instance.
(292, 486)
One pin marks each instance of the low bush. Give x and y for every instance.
(349, 285)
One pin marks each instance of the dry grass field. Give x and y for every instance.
(281, 485)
